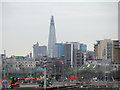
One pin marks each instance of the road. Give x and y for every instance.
(55, 84)
(68, 85)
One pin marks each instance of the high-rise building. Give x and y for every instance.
(116, 51)
(76, 47)
(108, 50)
(36, 51)
(68, 55)
(39, 51)
(73, 56)
(52, 52)
(102, 49)
(43, 50)
(60, 49)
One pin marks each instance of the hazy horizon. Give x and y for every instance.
(25, 23)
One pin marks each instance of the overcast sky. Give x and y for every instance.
(25, 23)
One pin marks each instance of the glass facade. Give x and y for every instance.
(60, 49)
(83, 47)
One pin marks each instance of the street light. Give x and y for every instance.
(63, 70)
(44, 64)
(55, 71)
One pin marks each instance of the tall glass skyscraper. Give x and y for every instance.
(52, 51)
(60, 49)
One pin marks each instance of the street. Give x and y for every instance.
(72, 86)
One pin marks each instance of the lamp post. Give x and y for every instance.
(63, 71)
(55, 71)
(44, 62)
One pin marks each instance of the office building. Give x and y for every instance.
(39, 51)
(73, 56)
(116, 51)
(43, 50)
(103, 49)
(68, 55)
(52, 51)
(108, 50)
(60, 49)
(36, 51)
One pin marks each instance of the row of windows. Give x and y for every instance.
(24, 68)
(115, 63)
(25, 62)
(25, 65)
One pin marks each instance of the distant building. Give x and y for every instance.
(39, 51)
(83, 47)
(36, 51)
(43, 50)
(68, 54)
(102, 49)
(60, 49)
(73, 55)
(90, 55)
(116, 51)
(76, 47)
(52, 52)
(15, 66)
(108, 50)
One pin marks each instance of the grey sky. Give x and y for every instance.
(27, 23)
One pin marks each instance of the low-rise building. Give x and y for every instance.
(17, 66)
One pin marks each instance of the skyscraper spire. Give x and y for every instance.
(52, 39)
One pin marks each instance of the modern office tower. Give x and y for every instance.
(116, 51)
(83, 47)
(103, 49)
(68, 55)
(43, 50)
(60, 49)
(36, 51)
(76, 47)
(52, 40)
(39, 51)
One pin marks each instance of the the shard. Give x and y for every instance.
(52, 40)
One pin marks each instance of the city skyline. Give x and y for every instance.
(27, 23)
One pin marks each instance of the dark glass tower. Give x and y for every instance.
(52, 40)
